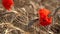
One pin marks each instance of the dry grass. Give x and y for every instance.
(24, 12)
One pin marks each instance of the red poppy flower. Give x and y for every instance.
(7, 4)
(43, 16)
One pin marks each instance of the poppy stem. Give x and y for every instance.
(54, 14)
(56, 10)
(32, 22)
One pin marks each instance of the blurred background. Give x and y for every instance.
(23, 22)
